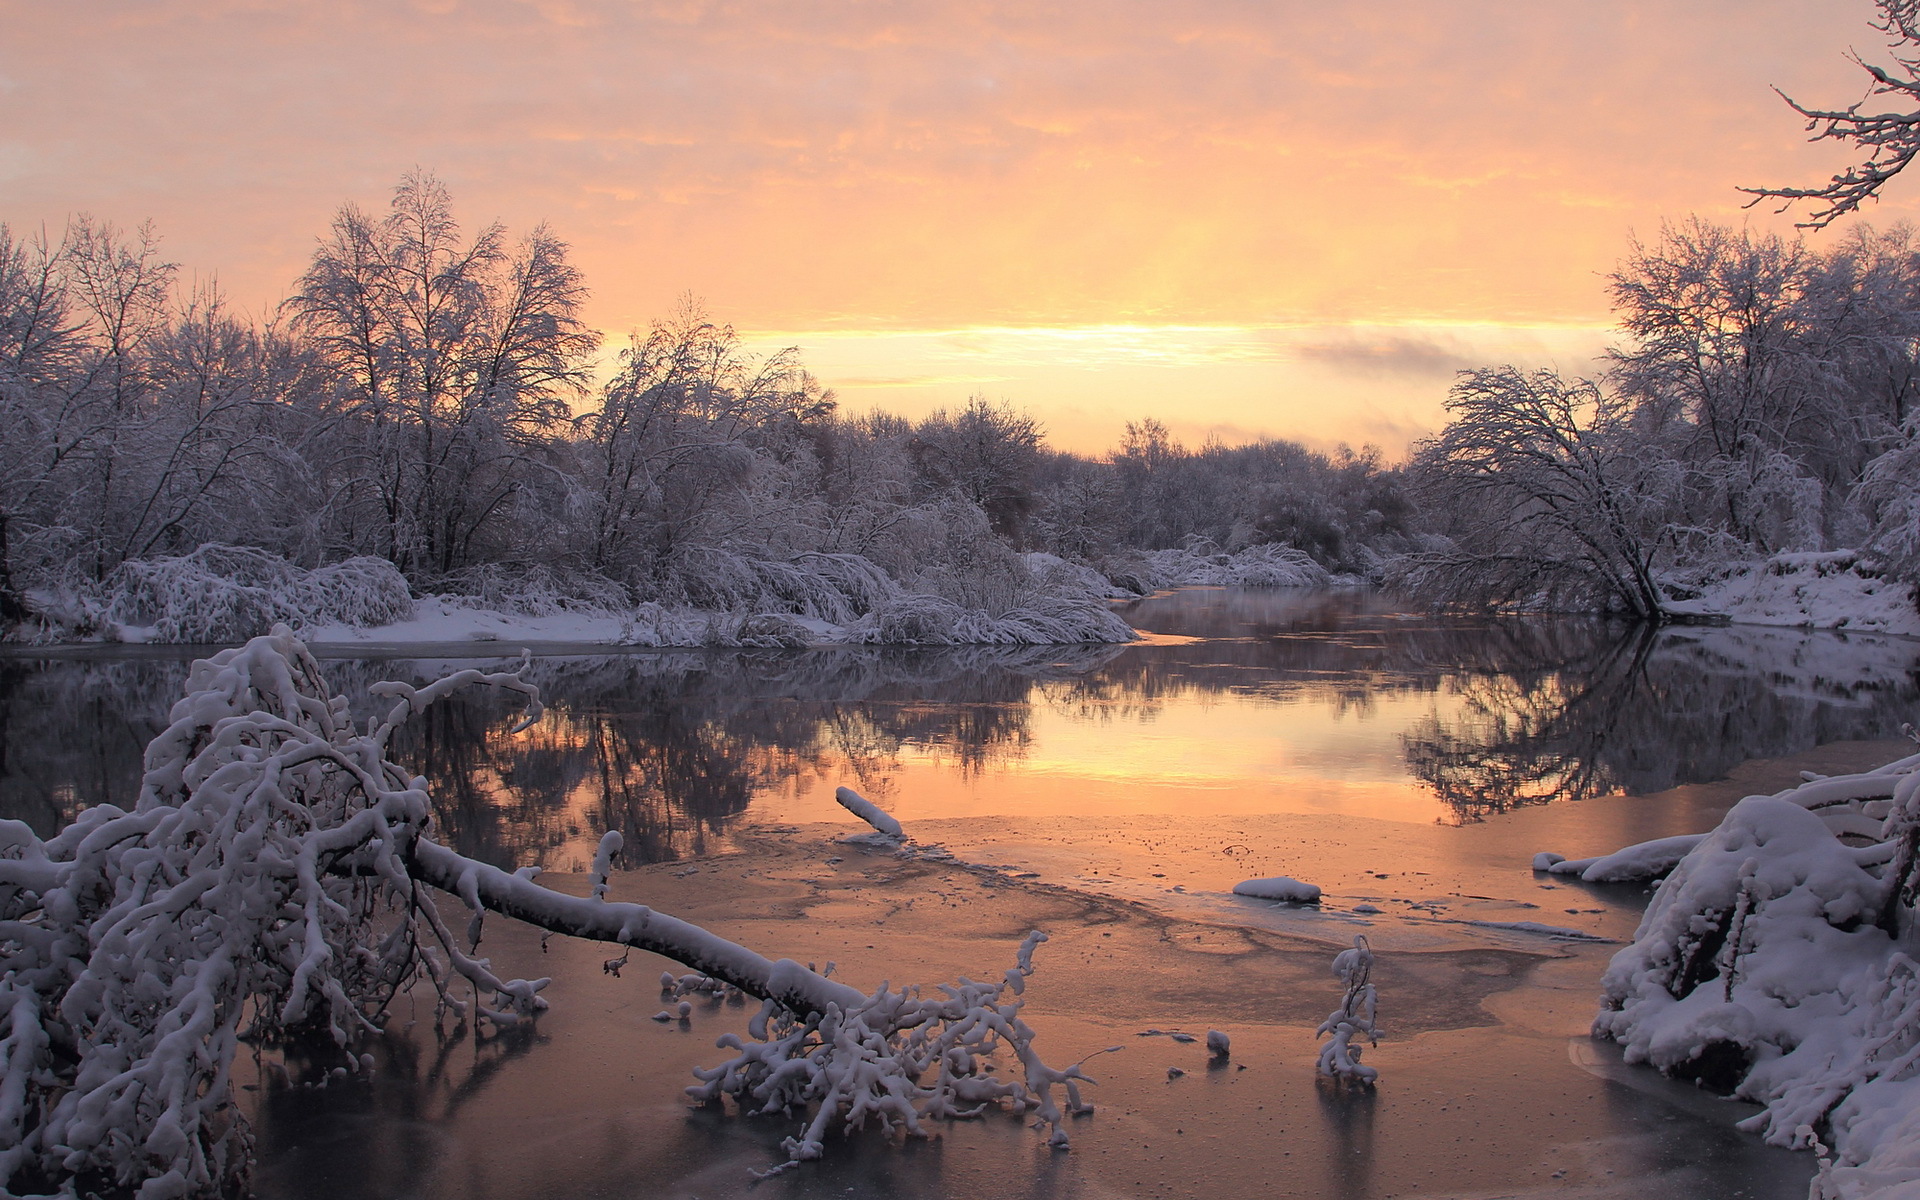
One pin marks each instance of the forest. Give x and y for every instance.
(426, 414)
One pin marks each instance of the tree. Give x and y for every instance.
(675, 437)
(452, 362)
(275, 884)
(1549, 496)
(1891, 139)
(986, 454)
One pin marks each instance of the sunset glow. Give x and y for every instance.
(1279, 219)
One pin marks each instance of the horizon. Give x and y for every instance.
(1231, 220)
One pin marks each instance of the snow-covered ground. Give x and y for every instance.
(1834, 590)
(225, 594)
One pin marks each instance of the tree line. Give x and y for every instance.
(432, 397)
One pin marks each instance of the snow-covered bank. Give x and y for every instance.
(1839, 589)
(1203, 565)
(220, 594)
(1776, 961)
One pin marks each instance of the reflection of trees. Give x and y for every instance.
(73, 729)
(1651, 710)
(667, 747)
(670, 747)
(1532, 733)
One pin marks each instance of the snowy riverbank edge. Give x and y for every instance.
(1838, 590)
(220, 595)
(1777, 960)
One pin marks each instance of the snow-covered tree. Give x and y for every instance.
(277, 884)
(452, 362)
(1547, 497)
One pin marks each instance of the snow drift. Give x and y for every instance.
(1838, 589)
(1774, 962)
(719, 598)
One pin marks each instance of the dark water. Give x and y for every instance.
(1406, 763)
(1380, 708)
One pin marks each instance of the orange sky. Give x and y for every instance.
(1245, 216)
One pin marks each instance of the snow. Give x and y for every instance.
(227, 594)
(272, 883)
(1840, 589)
(1202, 565)
(867, 811)
(1645, 860)
(1774, 960)
(1353, 1020)
(1279, 887)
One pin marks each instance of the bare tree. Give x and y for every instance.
(1890, 139)
(1551, 500)
(453, 362)
(674, 439)
(986, 454)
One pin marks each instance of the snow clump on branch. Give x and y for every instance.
(867, 1060)
(1353, 1020)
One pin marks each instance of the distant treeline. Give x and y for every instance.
(429, 397)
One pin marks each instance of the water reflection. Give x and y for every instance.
(673, 747)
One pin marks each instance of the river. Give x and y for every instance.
(1409, 765)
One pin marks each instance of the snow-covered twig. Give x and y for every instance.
(1353, 1020)
(868, 1058)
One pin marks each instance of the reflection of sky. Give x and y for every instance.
(947, 165)
(1195, 753)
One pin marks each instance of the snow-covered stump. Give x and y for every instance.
(273, 885)
(1353, 1020)
(1775, 962)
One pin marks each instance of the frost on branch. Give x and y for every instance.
(870, 1059)
(258, 890)
(1353, 1020)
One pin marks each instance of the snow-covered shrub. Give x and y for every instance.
(533, 590)
(829, 587)
(362, 592)
(1775, 962)
(923, 620)
(231, 593)
(191, 598)
(1203, 564)
(1353, 1020)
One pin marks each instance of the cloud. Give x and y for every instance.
(1418, 356)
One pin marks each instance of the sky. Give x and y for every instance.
(1247, 218)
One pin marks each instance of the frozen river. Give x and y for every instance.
(1112, 796)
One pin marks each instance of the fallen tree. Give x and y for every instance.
(275, 882)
